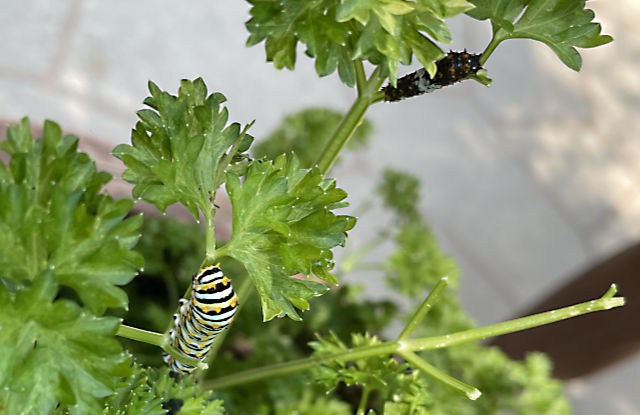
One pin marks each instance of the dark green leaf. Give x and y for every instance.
(54, 352)
(53, 215)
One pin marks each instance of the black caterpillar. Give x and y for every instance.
(454, 67)
(211, 309)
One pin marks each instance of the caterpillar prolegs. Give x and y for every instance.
(210, 310)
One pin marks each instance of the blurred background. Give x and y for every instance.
(527, 184)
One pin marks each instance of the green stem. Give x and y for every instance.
(424, 308)
(379, 96)
(364, 398)
(471, 392)
(144, 336)
(361, 78)
(410, 345)
(495, 41)
(349, 123)
(511, 326)
(156, 339)
(210, 236)
(280, 369)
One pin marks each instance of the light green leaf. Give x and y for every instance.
(562, 25)
(54, 215)
(339, 32)
(385, 10)
(181, 147)
(54, 352)
(283, 225)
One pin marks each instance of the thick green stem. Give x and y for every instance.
(410, 345)
(471, 392)
(349, 123)
(379, 96)
(156, 339)
(495, 41)
(144, 336)
(210, 241)
(424, 308)
(361, 78)
(364, 398)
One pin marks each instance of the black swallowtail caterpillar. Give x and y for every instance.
(454, 67)
(211, 309)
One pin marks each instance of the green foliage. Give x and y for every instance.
(282, 215)
(338, 33)
(401, 390)
(306, 133)
(543, 394)
(415, 267)
(63, 238)
(154, 391)
(562, 25)
(181, 149)
(252, 343)
(283, 225)
(400, 192)
(54, 216)
(523, 388)
(418, 264)
(54, 352)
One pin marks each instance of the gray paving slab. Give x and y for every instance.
(31, 31)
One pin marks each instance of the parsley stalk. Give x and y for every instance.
(366, 93)
(406, 347)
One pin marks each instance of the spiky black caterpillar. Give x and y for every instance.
(454, 67)
(211, 309)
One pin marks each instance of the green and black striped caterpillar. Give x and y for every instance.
(211, 309)
(454, 67)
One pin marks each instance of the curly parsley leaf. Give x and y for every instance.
(400, 192)
(337, 33)
(181, 147)
(152, 391)
(54, 215)
(562, 25)
(401, 389)
(54, 352)
(417, 264)
(283, 225)
(306, 133)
